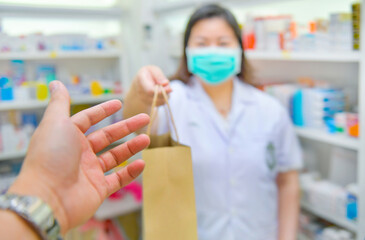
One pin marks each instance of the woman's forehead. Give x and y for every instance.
(212, 27)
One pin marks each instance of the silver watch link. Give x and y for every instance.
(34, 211)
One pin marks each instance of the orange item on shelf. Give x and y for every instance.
(96, 88)
(282, 40)
(75, 80)
(293, 30)
(354, 130)
(312, 27)
(352, 122)
(249, 41)
(306, 81)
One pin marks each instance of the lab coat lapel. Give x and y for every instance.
(208, 109)
(242, 98)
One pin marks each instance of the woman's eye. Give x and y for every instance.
(224, 44)
(201, 44)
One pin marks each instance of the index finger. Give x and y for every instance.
(86, 118)
(158, 76)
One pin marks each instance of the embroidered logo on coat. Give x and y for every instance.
(270, 156)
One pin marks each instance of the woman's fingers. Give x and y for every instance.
(151, 76)
(102, 138)
(86, 118)
(123, 152)
(157, 75)
(121, 178)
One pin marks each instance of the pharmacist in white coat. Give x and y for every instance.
(245, 153)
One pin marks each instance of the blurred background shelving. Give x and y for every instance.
(324, 152)
(150, 32)
(82, 44)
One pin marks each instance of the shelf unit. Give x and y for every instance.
(352, 61)
(7, 10)
(113, 59)
(345, 57)
(36, 104)
(342, 222)
(162, 8)
(61, 55)
(333, 139)
(304, 56)
(113, 208)
(21, 154)
(12, 155)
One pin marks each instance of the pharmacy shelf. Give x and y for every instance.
(7, 10)
(341, 222)
(304, 56)
(62, 55)
(117, 143)
(94, 99)
(21, 154)
(12, 155)
(344, 57)
(180, 4)
(323, 136)
(114, 208)
(35, 104)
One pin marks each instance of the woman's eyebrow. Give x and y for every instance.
(225, 37)
(199, 37)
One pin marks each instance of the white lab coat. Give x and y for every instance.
(235, 160)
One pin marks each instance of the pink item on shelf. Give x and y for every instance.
(117, 195)
(133, 188)
(107, 230)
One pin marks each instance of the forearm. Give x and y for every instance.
(288, 208)
(14, 227)
(134, 105)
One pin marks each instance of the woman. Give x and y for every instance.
(245, 153)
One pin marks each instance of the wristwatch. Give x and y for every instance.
(34, 211)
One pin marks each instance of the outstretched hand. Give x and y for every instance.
(62, 167)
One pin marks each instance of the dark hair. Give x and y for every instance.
(206, 12)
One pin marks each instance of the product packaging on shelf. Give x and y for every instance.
(34, 43)
(319, 107)
(340, 32)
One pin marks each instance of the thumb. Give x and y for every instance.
(59, 105)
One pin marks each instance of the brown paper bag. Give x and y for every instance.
(168, 187)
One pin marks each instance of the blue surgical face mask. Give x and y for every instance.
(214, 65)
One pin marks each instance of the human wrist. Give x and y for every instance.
(31, 186)
(16, 226)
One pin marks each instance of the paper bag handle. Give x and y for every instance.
(154, 110)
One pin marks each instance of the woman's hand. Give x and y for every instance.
(144, 83)
(61, 166)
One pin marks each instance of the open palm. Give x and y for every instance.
(62, 165)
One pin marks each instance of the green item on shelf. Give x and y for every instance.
(107, 91)
(340, 129)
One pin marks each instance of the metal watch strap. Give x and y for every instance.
(34, 211)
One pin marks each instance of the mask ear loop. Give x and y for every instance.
(154, 110)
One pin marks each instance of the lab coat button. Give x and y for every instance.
(231, 150)
(233, 212)
(232, 182)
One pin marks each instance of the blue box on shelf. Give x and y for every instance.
(6, 94)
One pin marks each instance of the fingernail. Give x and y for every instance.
(163, 81)
(53, 86)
